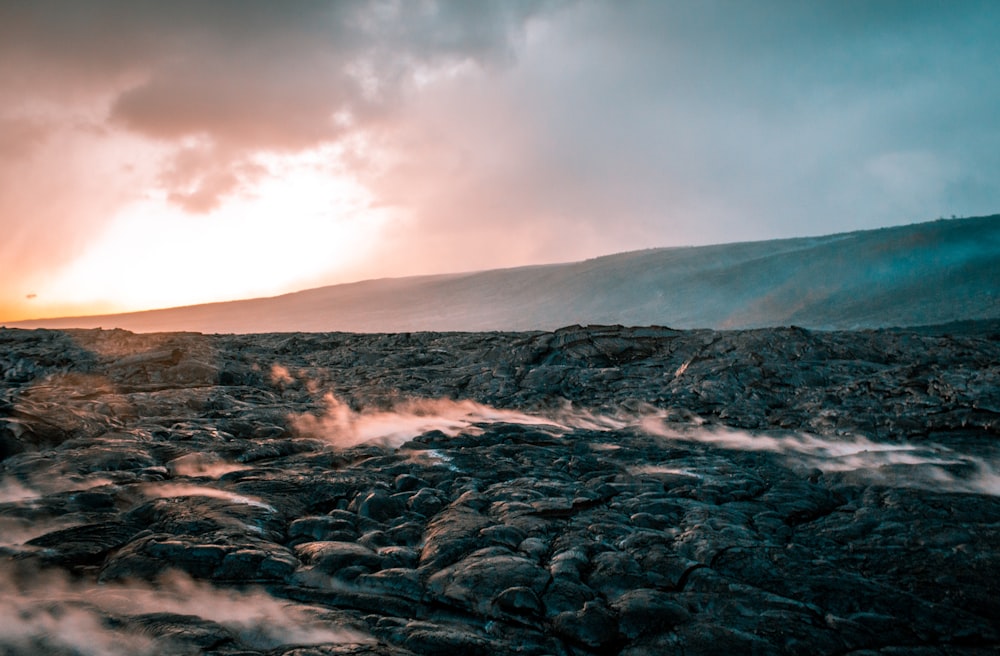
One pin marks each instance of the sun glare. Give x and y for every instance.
(297, 223)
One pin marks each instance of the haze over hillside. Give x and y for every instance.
(925, 273)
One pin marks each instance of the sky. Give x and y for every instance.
(157, 154)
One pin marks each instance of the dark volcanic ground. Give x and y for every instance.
(588, 491)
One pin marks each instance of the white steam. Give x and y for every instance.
(257, 618)
(899, 464)
(46, 608)
(344, 427)
(15, 531)
(281, 375)
(51, 481)
(168, 490)
(202, 465)
(12, 491)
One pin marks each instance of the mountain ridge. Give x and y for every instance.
(918, 274)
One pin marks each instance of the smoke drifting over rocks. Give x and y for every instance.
(585, 491)
(53, 613)
(345, 428)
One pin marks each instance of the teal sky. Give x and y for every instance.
(166, 153)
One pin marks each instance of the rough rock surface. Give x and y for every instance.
(586, 491)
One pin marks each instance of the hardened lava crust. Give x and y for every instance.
(592, 490)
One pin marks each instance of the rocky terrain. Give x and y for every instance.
(599, 490)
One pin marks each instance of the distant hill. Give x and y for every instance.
(926, 273)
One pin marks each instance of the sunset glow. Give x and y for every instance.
(298, 223)
(169, 154)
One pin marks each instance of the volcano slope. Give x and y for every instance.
(592, 490)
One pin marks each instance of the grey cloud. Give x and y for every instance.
(250, 76)
(585, 127)
(669, 123)
(199, 176)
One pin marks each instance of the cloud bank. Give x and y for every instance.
(493, 134)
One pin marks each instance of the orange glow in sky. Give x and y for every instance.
(296, 224)
(173, 153)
